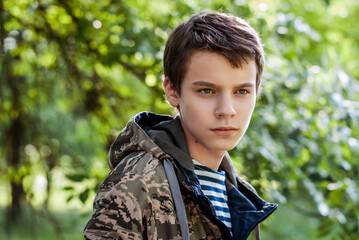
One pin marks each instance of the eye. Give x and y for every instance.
(206, 91)
(242, 91)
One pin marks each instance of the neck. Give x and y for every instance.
(210, 159)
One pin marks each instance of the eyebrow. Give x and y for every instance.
(209, 84)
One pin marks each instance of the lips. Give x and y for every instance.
(224, 131)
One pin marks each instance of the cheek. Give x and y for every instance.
(250, 106)
(245, 109)
(194, 113)
(193, 105)
(250, 110)
(189, 111)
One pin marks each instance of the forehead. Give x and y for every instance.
(215, 68)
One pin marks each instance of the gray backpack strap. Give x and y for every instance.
(256, 231)
(177, 198)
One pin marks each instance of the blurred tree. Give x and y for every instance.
(74, 72)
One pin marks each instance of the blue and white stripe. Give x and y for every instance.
(213, 186)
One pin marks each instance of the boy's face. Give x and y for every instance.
(216, 102)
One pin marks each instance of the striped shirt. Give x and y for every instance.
(213, 186)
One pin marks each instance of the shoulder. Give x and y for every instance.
(140, 164)
(127, 197)
(137, 178)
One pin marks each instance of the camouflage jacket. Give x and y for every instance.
(135, 200)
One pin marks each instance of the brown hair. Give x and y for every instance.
(221, 33)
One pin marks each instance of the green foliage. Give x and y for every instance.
(74, 72)
(41, 224)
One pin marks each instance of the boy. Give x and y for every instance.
(172, 178)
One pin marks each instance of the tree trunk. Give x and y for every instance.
(14, 137)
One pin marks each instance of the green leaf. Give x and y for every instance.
(84, 195)
(76, 177)
(68, 188)
(69, 198)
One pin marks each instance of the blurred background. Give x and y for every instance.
(72, 73)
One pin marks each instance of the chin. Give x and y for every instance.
(223, 147)
(228, 145)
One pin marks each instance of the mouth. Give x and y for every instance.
(224, 131)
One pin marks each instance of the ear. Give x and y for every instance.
(171, 93)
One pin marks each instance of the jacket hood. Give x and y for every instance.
(134, 138)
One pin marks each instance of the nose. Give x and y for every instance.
(225, 108)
